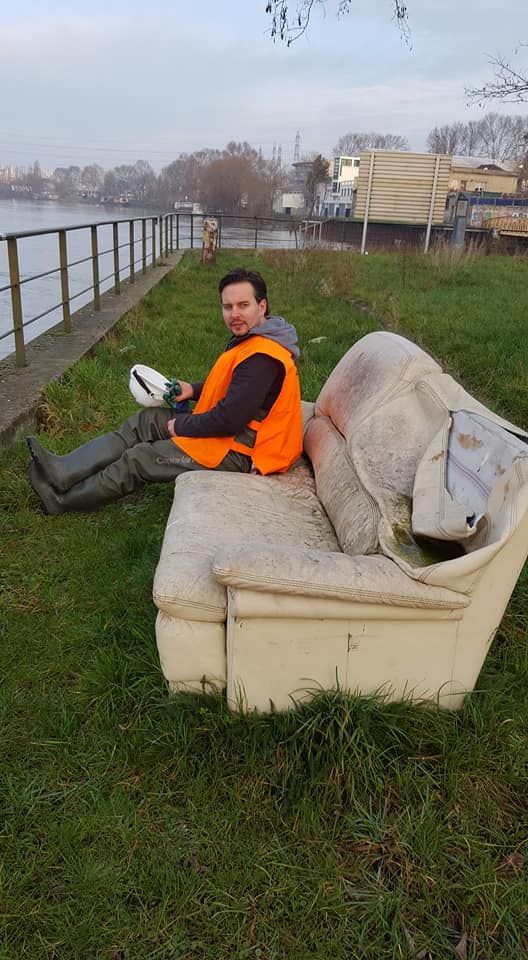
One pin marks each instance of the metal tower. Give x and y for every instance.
(297, 150)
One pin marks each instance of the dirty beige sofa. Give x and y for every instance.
(382, 561)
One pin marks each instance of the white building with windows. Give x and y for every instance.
(336, 198)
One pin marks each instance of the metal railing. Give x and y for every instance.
(101, 266)
(96, 257)
(185, 231)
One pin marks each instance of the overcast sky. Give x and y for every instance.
(113, 82)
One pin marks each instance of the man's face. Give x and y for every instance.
(241, 309)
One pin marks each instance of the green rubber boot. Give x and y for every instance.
(84, 497)
(158, 462)
(63, 472)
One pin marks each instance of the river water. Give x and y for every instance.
(40, 254)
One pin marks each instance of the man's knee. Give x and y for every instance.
(156, 462)
(146, 426)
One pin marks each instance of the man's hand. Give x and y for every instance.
(186, 391)
(186, 394)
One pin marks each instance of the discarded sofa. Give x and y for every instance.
(382, 561)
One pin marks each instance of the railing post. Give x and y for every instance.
(144, 243)
(219, 231)
(177, 231)
(153, 251)
(171, 241)
(167, 236)
(65, 293)
(95, 268)
(161, 236)
(192, 230)
(115, 236)
(16, 301)
(131, 250)
(256, 232)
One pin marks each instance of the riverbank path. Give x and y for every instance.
(53, 352)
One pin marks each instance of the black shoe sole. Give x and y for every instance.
(32, 466)
(29, 441)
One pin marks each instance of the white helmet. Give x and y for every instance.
(147, 386)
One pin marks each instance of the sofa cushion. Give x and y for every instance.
(214, 508)
(353, 512)
(307, 412)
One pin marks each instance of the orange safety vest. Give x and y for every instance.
(277, 438)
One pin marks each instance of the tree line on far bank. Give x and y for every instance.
(239, 179)
(235, 179)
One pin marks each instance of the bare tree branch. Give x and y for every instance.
(351, 144)
(510, 85)
(495, 135)
(289, 21)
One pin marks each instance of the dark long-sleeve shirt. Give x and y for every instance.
(254, 387)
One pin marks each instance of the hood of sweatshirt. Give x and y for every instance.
(274, 328)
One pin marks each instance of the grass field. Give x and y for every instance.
(137, 826)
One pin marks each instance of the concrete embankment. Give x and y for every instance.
(52, 353)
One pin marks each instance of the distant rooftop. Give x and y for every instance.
(483, 163)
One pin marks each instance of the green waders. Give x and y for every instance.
(115, 464)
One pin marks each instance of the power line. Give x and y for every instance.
(53, 154)
(100, 146)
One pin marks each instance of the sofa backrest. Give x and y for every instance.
(376, 369)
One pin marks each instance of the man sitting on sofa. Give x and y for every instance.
(247, 417)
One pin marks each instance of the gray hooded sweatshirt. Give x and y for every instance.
(278, 329)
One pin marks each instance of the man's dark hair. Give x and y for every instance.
(241, 275)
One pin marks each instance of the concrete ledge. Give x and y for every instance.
(53, 352)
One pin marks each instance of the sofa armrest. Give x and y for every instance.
(301, 571)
